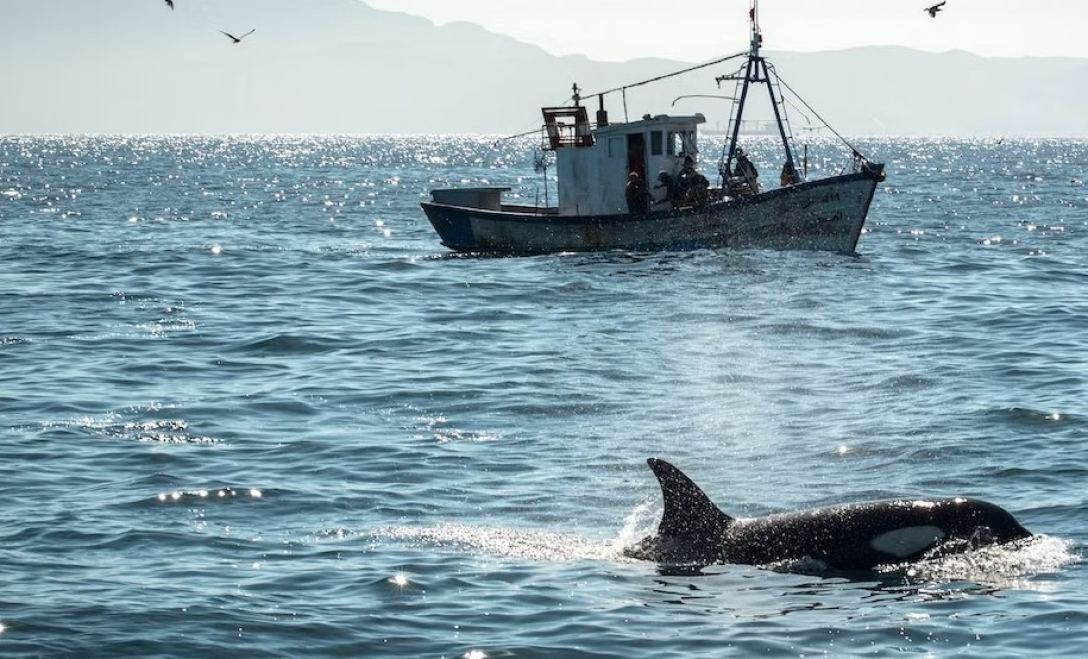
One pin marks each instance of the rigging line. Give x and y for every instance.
(514, 137)
(531, 131)
(639, 84)
(790, 103)
(817, 114)
(668, 75)
(786, 101)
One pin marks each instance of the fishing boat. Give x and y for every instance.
(636, 185)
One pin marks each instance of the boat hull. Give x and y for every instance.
(826, 215)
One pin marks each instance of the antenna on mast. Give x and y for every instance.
(757, 36)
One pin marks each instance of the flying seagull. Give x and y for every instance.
(934, 9)
(239, 39)
(170, 3)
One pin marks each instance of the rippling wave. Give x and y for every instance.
(253, 408)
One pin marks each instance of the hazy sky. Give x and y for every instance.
(694, 30)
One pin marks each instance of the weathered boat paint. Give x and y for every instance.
(826, 215)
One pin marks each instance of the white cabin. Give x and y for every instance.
(593, 165)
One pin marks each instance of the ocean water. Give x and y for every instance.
(250, 407)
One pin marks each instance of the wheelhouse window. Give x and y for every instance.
(687, 143)
(656, 142)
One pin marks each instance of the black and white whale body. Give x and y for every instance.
(693, 531)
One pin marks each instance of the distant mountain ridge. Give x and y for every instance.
(340, 66)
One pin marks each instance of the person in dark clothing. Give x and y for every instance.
(692, 187)
(745, 167)
(685, 180)
(666, 180)
(747, 171)
(638, 195)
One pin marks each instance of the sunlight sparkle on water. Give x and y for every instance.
(223, 494)
(399, 580)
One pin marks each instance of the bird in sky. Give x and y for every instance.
(170, 4)
(239, 39)
(934, 9)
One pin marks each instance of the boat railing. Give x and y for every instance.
(566, 127)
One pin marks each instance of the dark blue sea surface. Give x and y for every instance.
(250, 407)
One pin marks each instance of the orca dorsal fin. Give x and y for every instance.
(688, 510)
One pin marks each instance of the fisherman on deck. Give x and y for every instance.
(746, 170)
(638, 196)
(745, 167)
(671, 198)
(693, 186)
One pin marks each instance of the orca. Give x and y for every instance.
(852, 537)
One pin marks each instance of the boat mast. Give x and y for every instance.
(757, 71)
(757, 38)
